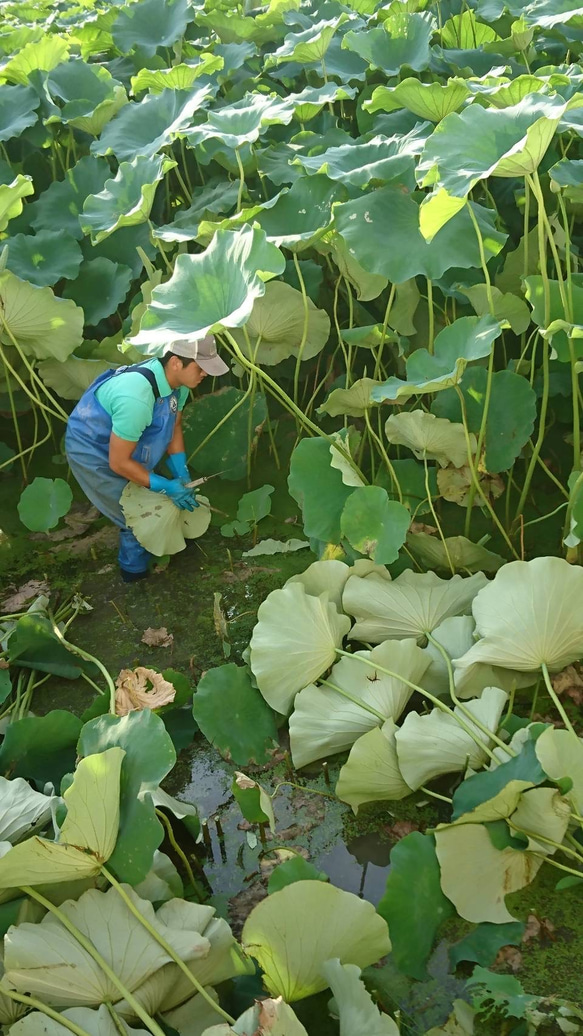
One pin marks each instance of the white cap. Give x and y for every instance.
(203, 350)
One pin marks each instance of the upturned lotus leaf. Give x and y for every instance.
(403, 39)
(356, 1009)
(42, 324)
(21, 809)
(324, 576)
(93, 1022)
(293, 932)
(89, 94)
(371, 773)
(353, 401)
(412, 605)
(456, 636)
(560, 754)
(308, 46)
(38, 55)
(34, 952)
(300, 216)
(275, 328)
(355, 698)
(178, 77)
(216, 288)
(58, 208)
(464, 555)
(294, 642)
(241, 122)
(381, 159)
(159, 525)
(529, 616)
(508, 308)
(542, 815)
(152, 24)
(427, 100)
(11, 195)
(267, 1018)
(125, 200)
(436, 743)
(208, 202)
(429, 437)
(142, 129)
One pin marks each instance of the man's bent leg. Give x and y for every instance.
(132, 557)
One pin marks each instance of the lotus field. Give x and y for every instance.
(321, 774)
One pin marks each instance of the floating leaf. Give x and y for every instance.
(43, 502)
(233, 716)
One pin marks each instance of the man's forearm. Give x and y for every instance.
(176, 444)
(131, 470)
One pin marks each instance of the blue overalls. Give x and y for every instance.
(87, 448)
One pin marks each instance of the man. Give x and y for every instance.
(124, 424)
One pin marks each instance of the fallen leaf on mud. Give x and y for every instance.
(77, 522)
(241, 905)
(158, 638)
(539, 928)
(33, 588)
(133, 693)
(401, 828)
(422, 527)
(570, 684)
(510, 957)
(4, 664)
(106, 537)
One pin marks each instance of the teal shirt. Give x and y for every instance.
(129, 400)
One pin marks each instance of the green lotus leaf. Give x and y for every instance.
(43, 502)
(483, 945)
(214, 289)
(465, 32)
(73, 377)
(375, 525)
(522, 261)
(35, 951)
(310, 101)
(341, 452)
(561, 755)
(558, 330)
(293, 932)
(234, 717)
(294, 642)
(130, 246)
(295, 868)
(382, 232)
(411, 478)
(528, 615)
(99, 289)
(59, 207)
(549, 13)
(412, 605)
(467, 339)
(18, 106)
(354, 401)
(275, 328)
(379, 159)
(506, 95)
(150, 24)
(508, 142)
(208, 228)
(228, 436)
(94, 1023)
(270, 547)
(371, 773)
(436, 743)
(300, 216)
(544, 812)
(41, 748)
(208, 202)
(507, 307)
(403, 309)
(307, 46)
(11, 195)
(253, 801)
(574, 535)
(327, 576)
(413, 904)
(356, 1009)
(367, 286)
(511, 413)
(159, 525)
(143, 128)
(43, 258)
(274, 162)
(87, 836)
(403, 39)
(500, 806)
(242, 121)
(431, 101)
(179, 77)
(42, 324)
(42, 55)
(90, 95)
(126, 199)
(429, 437)
(329, 719)
(464, 555)
(566, 177)
(22, 809)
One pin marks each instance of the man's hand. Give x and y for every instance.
(175, 490)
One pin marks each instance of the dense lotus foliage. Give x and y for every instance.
(375, 207)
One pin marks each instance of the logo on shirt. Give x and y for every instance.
(173, 404)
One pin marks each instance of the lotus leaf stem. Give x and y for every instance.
(241, 179)
(38, 1005)
(90, 658)
(354, 700)
(384, 455)
(556, 701)
(431, 311)
(21, 451)
(34, 377)
(88, 946)
(538, 837)
(166, 946)
(305, 329)
(559, 866)
(180, 853)
(434, 515)
(117, 1022)
(300, 787)
(483, 261)
(434, 794)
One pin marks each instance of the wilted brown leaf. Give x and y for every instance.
(401, 828)
(422, 527)
(570, 684)
(25, 593)
(510, 957)
(538, 928)
(454, 485)
(141, 688)
(158, 637)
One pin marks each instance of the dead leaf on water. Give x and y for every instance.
(141, 688)
(158, 637)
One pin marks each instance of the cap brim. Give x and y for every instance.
(212, 365)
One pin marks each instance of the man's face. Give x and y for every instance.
(191, 375)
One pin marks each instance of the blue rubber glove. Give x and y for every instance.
(173, 488)
(177, 464)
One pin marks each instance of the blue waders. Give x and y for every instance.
(87, 447)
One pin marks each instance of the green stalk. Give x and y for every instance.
(556, 701)
(480, 441)
(541, 430)
(38, 1005)
(241, 180)
(90, 658)
(434, 516)
(34, 376)
(431, 332)
(14, 420)
(305, 329)
(483, 262)
(379, 442)
(354, 700)
(181, 854)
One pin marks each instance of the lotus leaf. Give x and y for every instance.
(341, 449)
(217, 287)
(254, 802)
(228, 436)
(561, 755)
(271, 546)
(152, 24)
(21, 809)
(59, 207)
(412, 605)
(294, 642)
(18, 106)
(508, 308)
(354, 1003)
(11, 195)
(557, 329)
(179, 77)
(267, 1018)
(371, 773)
(299, 217)
(461, 552)
(233, 716)
(307, 46)
(126, 199)
(207, 202)
(94, 1023)
(355, 698)
(528, 616)
(41, 55)
(318, 488)
(375, 525)
(324, 576)
(434, 744)
(42, 324)
(427, 100)
(293, 868)
(541, 814)
(465, 31)
(100, 288)
(142, 129)
(88, 834)
(402, 40)
(429, 437)
(159, 525)
(379, 159)
(354, 401)
(456, 636)
(275, 328)
(294, 931)
(73, 377)
(46, 960)
(43, 258)
(455, 485)
(366, 285)
(90, 95)
(43, 502)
